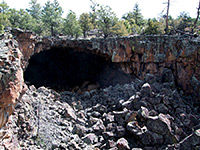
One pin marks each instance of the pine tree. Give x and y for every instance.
(35, 9)
(85, 23)
(106, 20)
(52, 16)
(71, 25)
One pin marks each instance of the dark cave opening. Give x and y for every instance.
(65, 69)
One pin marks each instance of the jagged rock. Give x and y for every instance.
(108, 135)
(70, 113)
(167, 76)
(120, 116)
(90, 138)
(99, 127)
(108, 118)
(80, 130)
(11, 78)
(122, 144)
(111, 143)
(143, 113)
(128, 105)
(159, 124)
(134, 128)
(131, 116)
(150, 78)
(191, 142)
(146, 90)
(120, 131)
(151, 138)
(100, 108)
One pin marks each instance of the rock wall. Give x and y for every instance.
(11, 77)
(136, 54)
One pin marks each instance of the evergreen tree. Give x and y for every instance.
(153, 27)
(135, 15)
(93, 13)
(35, 9)
(106, 20)
(52, 16)
(4, 22)
(20, 19)
(71, 25)
(4, 7)
(184, 21)
(119, 29)
(85, 23)
(134, 20)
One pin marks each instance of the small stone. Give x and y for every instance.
(108, 118)
(90, 138)
(120, 116)
(96, 114)
(167, 75)
(100, 108)
(80, 130)
(99, 127)
(146, 90)
(131, 116)
(108, 135)
(92, 120)
(111, 127)
(143, 113)
(161, 108)
(70, 113)
(120, 131)
(134, 128)
(111, 143)
(127, 104)
(150, 78)
(122, 144)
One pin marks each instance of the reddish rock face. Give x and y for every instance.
(136, 54)
(11, 75)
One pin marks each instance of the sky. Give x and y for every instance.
(149, 8)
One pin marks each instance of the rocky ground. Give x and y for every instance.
(149, 115)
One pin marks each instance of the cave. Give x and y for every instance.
(67, 69)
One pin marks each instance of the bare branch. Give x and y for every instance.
(198, 12)
(167, 15)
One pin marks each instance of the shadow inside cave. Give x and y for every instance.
(65, 69)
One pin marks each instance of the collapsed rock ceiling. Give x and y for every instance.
(66, 69)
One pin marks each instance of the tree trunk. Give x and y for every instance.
(167, 16)
(52, 32)
(84, 34)
(195, 22)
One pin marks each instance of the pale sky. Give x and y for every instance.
(149, 8)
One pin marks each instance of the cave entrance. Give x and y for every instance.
(66, 69)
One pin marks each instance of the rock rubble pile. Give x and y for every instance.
(150, 115)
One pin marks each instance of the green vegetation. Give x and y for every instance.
(71, 25)
(100, 21)
(85, 23)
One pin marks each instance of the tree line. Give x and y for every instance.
(99, 21)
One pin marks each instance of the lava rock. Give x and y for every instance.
(122, 144)
(159, 124)
(90, 138)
